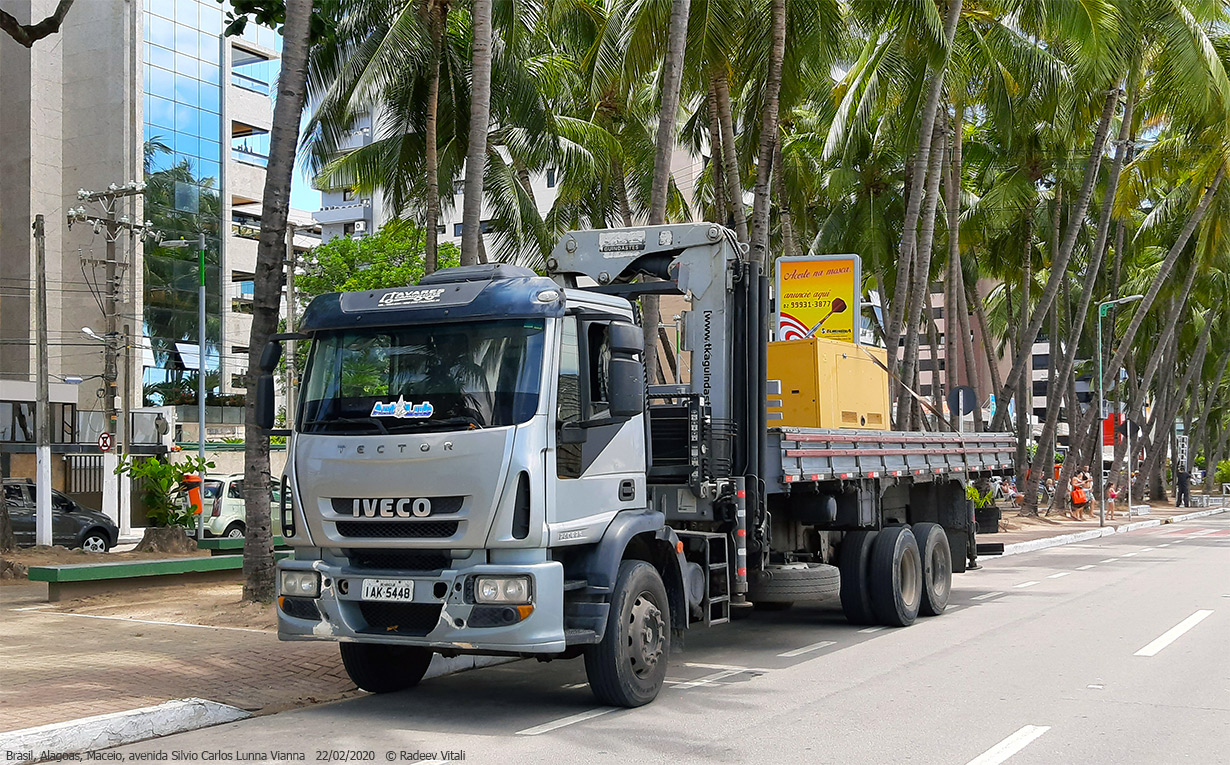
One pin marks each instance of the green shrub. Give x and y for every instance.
(160, 481)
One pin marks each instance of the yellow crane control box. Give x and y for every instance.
(828, 384)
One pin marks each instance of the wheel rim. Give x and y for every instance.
(234, 533)
(908, 576)
(941, 571)
(646, 635)
(94, 544)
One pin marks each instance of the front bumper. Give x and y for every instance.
(439, 616)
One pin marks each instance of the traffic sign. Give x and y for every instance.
(105, 441)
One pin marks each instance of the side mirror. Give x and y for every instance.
(265, 397)
(271, 356)
(626, 338)
(627, 386)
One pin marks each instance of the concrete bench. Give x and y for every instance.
(229, 546)
(79, 579)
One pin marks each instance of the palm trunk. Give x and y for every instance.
(922, 159)
(768, 139)
(937, 390)
(920, 283)
(730, 162)
(988, 346)
(790, 241)
(1211, 467)
(717, 159)
(1059, 263)
(1202, 416)
(480, 122)
(1179, 394)
(668, 111)
(953, 276)
(1129, 336)
(437, 18)
(1076, 326)
(258, 564)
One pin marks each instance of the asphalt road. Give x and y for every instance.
(1113, 651)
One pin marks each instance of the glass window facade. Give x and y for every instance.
(183, 172)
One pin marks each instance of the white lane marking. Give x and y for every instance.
(1177, 541)
(160, 624)
(1174, 633)
(699, 665)
(1059, 574)
(806, 649)
(1025, 584)
(986, 595)
(1164, 545)
(1109, 560)
(1085, 567)
(1202, 532)
(869, 630)
(566, 721)
(573, 686)
(708, 679)
(1010, 746)
(1095, 686)
(1145, 549)
(1128, 555)
(33, 608)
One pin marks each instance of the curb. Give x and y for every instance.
(1031, 545)
(90, 734)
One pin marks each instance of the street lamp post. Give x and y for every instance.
(200, 370)
(1103, 310)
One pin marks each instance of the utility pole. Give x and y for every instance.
(42, 415)
(111, 225)
(291, 377)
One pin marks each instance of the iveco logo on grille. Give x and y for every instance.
(396, 507)
(391, 508)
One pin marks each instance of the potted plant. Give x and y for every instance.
(168, 517)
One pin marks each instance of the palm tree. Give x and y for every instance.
(480, 122)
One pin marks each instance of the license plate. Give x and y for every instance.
(388, 589)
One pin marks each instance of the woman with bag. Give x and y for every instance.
(1080, 494)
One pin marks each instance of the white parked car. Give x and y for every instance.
(225, 510)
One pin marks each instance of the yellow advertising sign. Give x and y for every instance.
(818, 297)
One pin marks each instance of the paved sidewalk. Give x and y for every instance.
(1057, 525)
(56, 667)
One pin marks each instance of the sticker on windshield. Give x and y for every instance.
(402, 409)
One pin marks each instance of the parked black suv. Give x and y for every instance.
(72, 524)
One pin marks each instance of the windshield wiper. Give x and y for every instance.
(350, 421)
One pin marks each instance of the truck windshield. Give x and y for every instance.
(423, 377)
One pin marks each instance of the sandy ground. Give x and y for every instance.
(212, 605)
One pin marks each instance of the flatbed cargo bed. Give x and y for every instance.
(801, 455)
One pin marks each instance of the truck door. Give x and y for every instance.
(597, 466)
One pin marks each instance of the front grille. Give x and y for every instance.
(301, 608)
(400, 560)
(400, 618)
(439, 505)
(397, 529)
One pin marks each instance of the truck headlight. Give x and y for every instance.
(512, 590)
(301, 584)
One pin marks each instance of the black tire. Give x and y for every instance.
(936, 559)
(95, 540)
(855, 563)
(235, 530)
(896, 577)
(381, 668)
(794, 583)
(772, 605)
(627, 668)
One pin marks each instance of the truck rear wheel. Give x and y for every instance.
(936, 568)
(381, 668)
(896, 577)
(628, 667)
(855, 564)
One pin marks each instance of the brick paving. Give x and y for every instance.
(56, 667)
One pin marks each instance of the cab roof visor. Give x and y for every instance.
(482, 272)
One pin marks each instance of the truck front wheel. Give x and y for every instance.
(380, 668)
(628, 667)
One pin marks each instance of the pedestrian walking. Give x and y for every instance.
(1112, 498)
(1081, 485)
(1182, 487)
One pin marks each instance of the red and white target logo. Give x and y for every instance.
(790, 328)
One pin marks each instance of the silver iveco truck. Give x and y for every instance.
(477, 466)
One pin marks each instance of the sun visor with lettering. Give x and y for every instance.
(443, 296)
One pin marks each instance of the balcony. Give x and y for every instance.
(347, 212)
(247, 106)
(246, 182)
